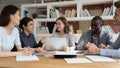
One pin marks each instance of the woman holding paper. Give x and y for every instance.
(63, 31)
(9, 34)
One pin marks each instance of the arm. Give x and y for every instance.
(110, 53)
(71, 42)
(116, 44)
(81, 42)
(8, 54)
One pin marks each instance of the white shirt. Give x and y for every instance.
(7, 41)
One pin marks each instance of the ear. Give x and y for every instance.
(23, 26)
(11, 16)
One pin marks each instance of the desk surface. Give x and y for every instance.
(51, 62)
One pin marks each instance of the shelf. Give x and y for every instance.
(95, 2)
(73, 19)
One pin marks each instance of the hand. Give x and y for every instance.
(26, 51)
(102, 46)
(48, 48)
(92, 48)
(39, 49)
(43, 39)
(65, 48)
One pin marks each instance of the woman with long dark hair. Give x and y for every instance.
(9, 34)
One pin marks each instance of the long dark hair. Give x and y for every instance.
(5, 14)
(64, 21)
(24, 22)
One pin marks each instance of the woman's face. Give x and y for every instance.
(60, 25)
(15, 19)
(30, 27)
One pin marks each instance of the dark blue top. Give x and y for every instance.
(29, 40)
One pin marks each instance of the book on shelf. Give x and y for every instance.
(85, 13)
(73, 13)
(70, 13)
(42, 28)
(108, 11)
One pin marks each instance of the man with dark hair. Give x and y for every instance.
(92, 49)
(95, 35)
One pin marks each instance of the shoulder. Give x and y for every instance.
(2, 30)
(15, 28)
(87, 32)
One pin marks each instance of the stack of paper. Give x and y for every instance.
(26, 58)
(96, 58)
(77, 60)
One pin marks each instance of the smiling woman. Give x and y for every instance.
(9, 35)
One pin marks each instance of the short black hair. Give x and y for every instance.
(117, 4)
(5, 14)
(24, 22)
(98, 18)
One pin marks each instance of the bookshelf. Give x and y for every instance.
(67, 7)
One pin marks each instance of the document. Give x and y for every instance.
(27, 58)
(77, 60)
(96, 58)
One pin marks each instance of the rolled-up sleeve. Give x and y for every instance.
(110, 53)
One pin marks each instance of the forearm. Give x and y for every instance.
(110, 53)
(9, 54)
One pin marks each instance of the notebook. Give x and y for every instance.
(56, 43)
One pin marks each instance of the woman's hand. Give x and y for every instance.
(39, 49)
(48, 48)
(43, 39)
(65, 48)
(26, 51)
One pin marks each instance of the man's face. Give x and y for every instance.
(95, 26)
(117, 16)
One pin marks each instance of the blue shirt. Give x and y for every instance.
(110, 53)
(7, 41)
(29, 40)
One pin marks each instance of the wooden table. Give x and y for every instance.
(51, 62)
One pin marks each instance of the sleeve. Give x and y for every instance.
(35, 43)
(17, 38)
(71, 41)
(109, 42)
(81, 42)
(110, 53)
(115, 45)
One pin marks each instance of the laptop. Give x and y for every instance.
(56, 43)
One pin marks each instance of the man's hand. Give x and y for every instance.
(92, 48)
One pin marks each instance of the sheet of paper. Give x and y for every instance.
(77, 60)
(27, 58)
(96, 58)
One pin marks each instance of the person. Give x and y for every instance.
(92, 49)
(63, 31)
(26, 36)
(9, 35)
(95, 35)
